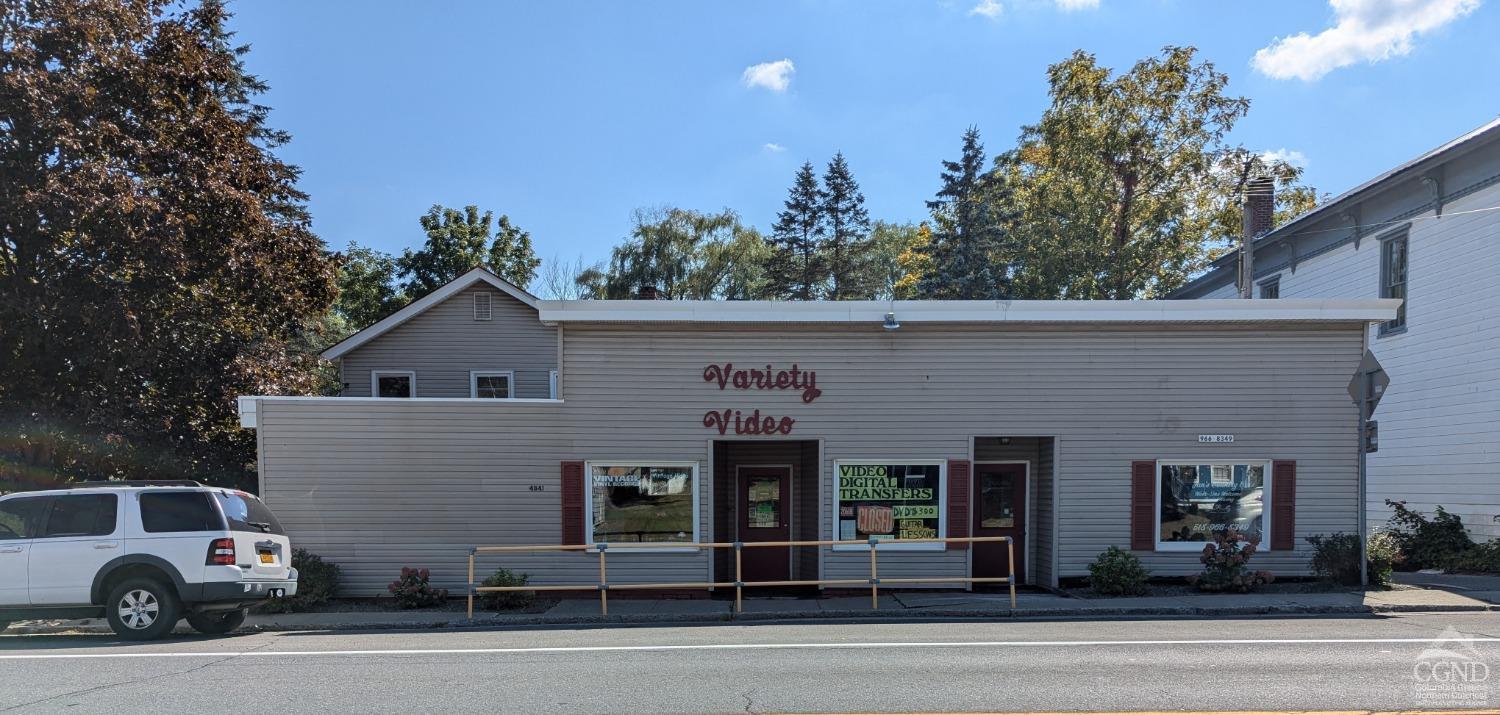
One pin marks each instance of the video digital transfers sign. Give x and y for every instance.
(889, 501)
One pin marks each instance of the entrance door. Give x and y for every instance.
(765, 515)
(1001, 511)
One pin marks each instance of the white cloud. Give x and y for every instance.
(773, 147)
(1290, 156)
(1072, 5)
(775, 76)
(1363, 30)
(989, 8)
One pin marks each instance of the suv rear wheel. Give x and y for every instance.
(142, 609)
(215, 623)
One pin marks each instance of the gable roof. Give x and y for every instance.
(420, 305)
(1222, 270)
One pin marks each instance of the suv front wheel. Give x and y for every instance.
(216, 623)
(142, 609)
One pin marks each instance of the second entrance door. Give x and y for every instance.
(764, 499)
(1000, 491)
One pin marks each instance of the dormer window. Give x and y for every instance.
(482, 305)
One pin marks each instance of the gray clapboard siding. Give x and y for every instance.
(374, 485)
(444, 343)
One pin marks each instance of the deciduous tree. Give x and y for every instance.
(459, 241)
(156, 258)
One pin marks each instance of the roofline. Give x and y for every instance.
(969, 311)
(1434, 156)
(419, 306)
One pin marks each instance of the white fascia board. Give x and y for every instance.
(419, 306)
(335, 400)
(247, 407)
(969, 311)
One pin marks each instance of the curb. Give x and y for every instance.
(909, 614)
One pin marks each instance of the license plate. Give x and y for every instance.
(267, 558)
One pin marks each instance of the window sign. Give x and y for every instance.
(1198, 501)
(890, 501)
(642, 503)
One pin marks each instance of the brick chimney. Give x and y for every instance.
(646, 293)
(1261, 192)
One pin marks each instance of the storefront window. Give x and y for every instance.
(889, 501)
(639, 503)
(1200, 500)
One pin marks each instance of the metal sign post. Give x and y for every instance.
(1366, 388)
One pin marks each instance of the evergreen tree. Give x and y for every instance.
(967, 230)
(796, 269)
(848, 230)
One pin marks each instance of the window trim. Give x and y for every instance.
(895, 544)
(1197, 546)
(489, 308)
(375, 376)
(1402, 234)
(1273, 281)
(510, 383)
(588, 506)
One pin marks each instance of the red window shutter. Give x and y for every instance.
(572, 503)
(958, 503)
(1143, 506)
(1283, 505)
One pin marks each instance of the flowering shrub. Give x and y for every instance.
(1225, 565)
(1336, 557)
(413, 591)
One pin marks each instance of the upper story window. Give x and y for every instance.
(482, 306)
(1393, 279)
(492, 384)
(1271, 288)
(393, 383)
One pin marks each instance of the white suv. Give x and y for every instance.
(144, 554)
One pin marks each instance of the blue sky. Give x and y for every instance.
(569, 115)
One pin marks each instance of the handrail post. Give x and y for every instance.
(471, 584)
(874, 577)
(739, 579)
(1010, 553)
(603, 582)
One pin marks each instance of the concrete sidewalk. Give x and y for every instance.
(900, 605)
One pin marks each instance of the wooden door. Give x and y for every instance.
(765, 514)
(999, 510)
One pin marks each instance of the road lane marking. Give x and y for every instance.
(728, 647)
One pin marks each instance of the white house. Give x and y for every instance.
(1427, 231)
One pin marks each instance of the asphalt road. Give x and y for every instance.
(1229, 664)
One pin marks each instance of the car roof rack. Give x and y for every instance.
(136, 483)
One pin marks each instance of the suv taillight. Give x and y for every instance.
(220, 552)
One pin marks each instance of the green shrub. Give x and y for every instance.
(1226, 565)
(1483, 557)
(317, 580)
(412, 590)
(1336, 558)
(1427, 544)
(1118, 572)
(506, 600)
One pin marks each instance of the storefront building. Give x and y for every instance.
(481, 416)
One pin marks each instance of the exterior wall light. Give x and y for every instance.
(890, 322)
